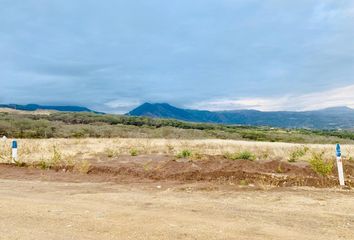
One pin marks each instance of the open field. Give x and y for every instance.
(163, 210)
(31, 150)
(231, 162)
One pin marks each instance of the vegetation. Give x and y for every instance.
(83, 125)
(243, 155)
(71, 154)
(184, 154)
(319, 165)
(56, 160)
(134, 152)
(20, 164)
(297, 154)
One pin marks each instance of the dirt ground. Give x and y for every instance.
(150, 197)
(39, 210)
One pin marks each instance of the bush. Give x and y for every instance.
(110, 152)
(243, 155)
(184, 154)
(319, 165)
(43, 164)
(297, 153)
(134, 152)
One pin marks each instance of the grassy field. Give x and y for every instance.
(32, 150)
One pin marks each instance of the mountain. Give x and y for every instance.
(330, 118)
(164, 110)
(34, 107)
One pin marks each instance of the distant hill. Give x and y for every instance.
(34, 107)
(330, 118)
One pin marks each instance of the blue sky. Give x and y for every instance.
(112, 55)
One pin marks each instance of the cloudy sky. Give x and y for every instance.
(112, 55)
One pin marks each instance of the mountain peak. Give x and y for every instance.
(330, 118)
(158, 110)
(147, 104)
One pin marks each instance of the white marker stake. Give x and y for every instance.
(14, 151)
(340, 165)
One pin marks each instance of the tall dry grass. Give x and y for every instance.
(71, 150)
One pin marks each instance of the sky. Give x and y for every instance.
(112, 55)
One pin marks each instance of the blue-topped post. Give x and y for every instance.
(14, 151)
(340, 165)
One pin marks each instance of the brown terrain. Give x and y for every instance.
(212, 169)
(161, 197)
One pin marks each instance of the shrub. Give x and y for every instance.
(243, 155)
(43, 164)
(243, 182)
(297, 153)
(54, 161)
(319, 165)
(246, 155)
(134, 152)
(184, 154)
(110, 152)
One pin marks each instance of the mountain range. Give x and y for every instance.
(34, 107)
(329, 118)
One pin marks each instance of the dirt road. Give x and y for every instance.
(58, 210)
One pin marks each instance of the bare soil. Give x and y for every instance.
(159, 197)
(214, 169)
(220, 170)
(42, 210)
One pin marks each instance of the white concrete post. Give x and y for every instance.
(340, 165)
(14, 151)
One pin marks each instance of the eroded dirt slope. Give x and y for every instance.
(215, 169)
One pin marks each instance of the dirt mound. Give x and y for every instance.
(219, 169)
(211, 169)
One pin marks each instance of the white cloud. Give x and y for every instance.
(121, 105)
(343, 96)
(333, 12)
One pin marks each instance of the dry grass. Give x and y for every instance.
(76, 150)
